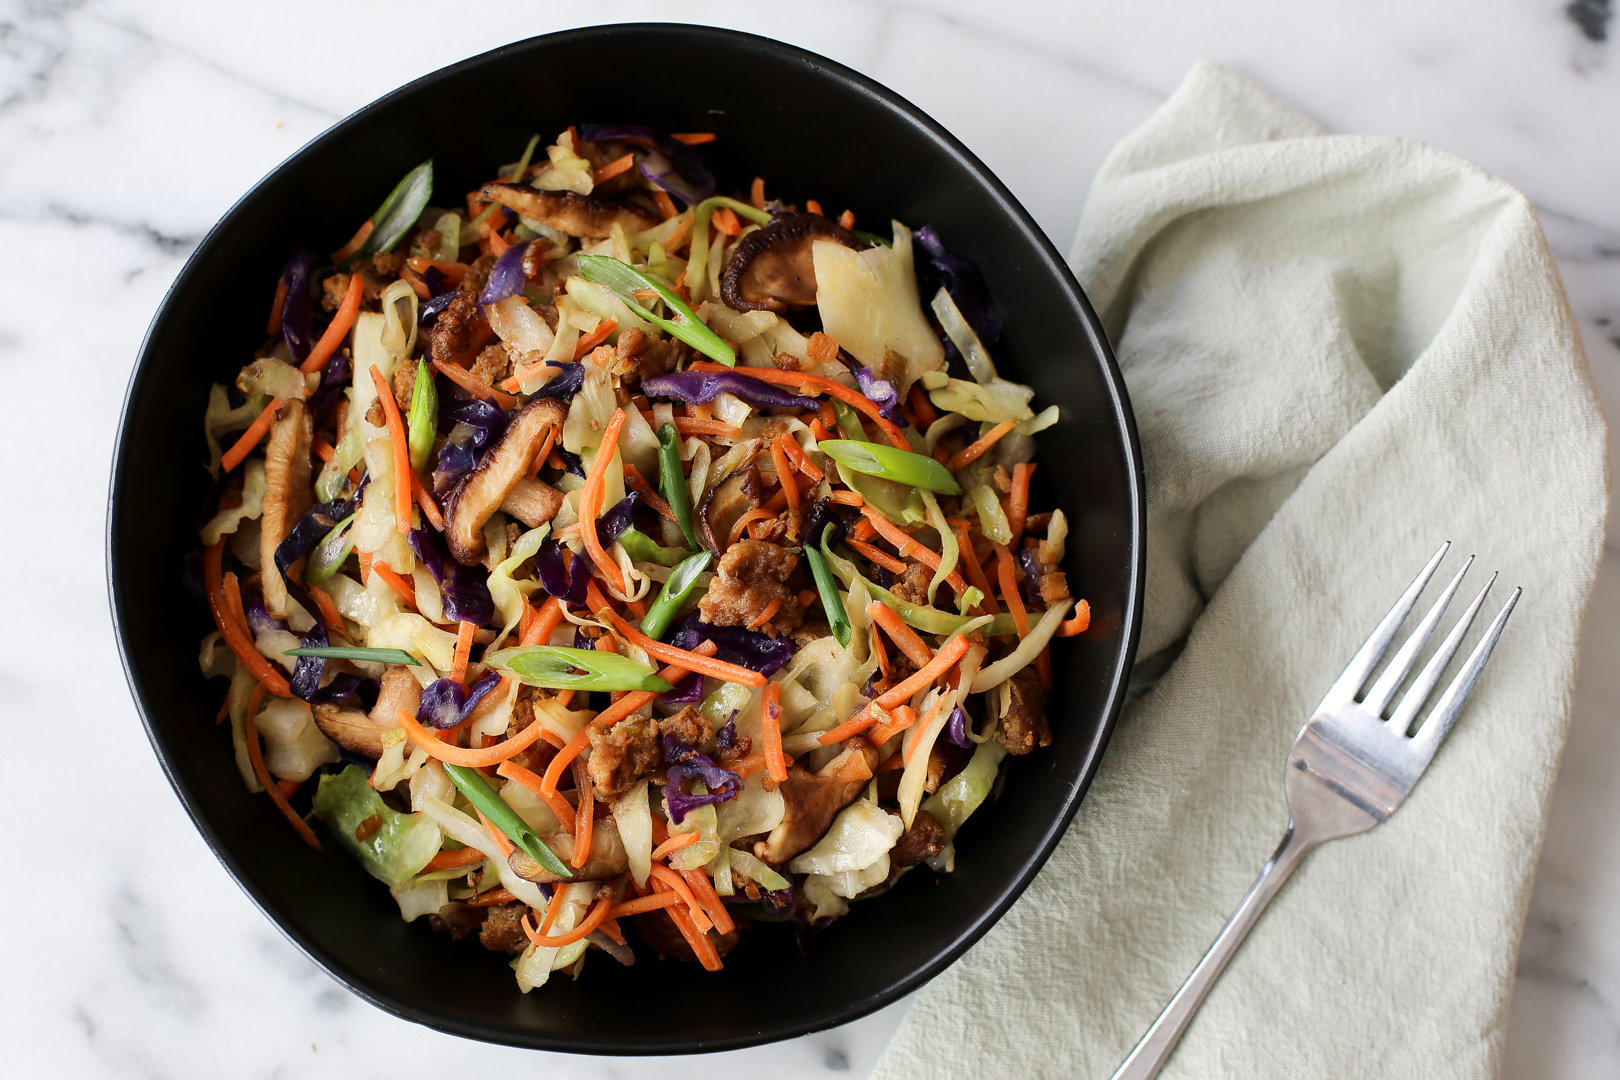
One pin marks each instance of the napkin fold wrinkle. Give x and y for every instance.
(1341, 351)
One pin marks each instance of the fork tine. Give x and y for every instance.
(1361, 665)
(1422, 686)
(1406, 655)
(1438, 725)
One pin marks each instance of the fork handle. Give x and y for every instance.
(1154, 1050)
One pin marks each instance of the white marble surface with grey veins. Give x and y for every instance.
(128, 128)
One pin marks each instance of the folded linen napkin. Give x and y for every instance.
(1341, 350)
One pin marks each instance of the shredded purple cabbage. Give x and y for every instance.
(552, 568)
(689, 691)
(572, 462)
(611, 525)
(726, 737)
(884, 576)
(459, 456)
(463, 589)
(563, 387)
(687, 763)
(297, 311)
(677, 168)
(752, 649)
(435, 282)
(1032, 577)
(962, 280)
(956, 729)
(258, 618)
(486, 418)
(581, 639)
(428, 313)
(342, 685)
(880, 392)
(702, 387)
(306, 676)
(446, 703)
(822, 515)
(506, 277)
(334, 379)
(456, 459)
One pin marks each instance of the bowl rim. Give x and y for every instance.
(1119, 404)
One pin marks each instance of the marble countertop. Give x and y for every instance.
(130, 127)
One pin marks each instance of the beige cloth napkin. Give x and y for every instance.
(1341, 350)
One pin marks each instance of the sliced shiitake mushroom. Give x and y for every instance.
(362, 733)
(810, 801)
(772, 269)
(731, 498)
(608, 858)
(576, 215)
(484, 490)
(533, 502)
(286, 497)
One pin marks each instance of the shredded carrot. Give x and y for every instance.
(1078, 624)
(511, 770)
(256, 756)
(756, 514)
(453, 271)
(361, 235)
(224, 708)
(909, 548)
(338, 328)
(756, 193)
(975, 572)
(545, 623)
(973, 451)
(364, 558)
(584, 815)
(847, 219)
(891, 763)
(665, 204)
(847, 498)
(610, 927)
(1043, 669)
(784, 471)
(637, 482)
(770, 732)
(234, 630)
(450, 860)
(545, 452)
(250, 438)
(764, 616)
(814, 207)
(590, 502)
(402, 452)
(565, 757)
(703, 889)
(900, 719)
(691, 661)
(694, 138)
(424, 499)
(725, 220)
(613, 168)
(877, 556)
(949, 653)
(796, 455)
(498, 895)
(862, 529)
(322, 448)
(916, 650)
(589, 341)
(635, 699)
(1018, 500)
(464, 379)
(502, 844)
(650, 902)
(1009, 590)
(822, 385)
(671, 879)
(675, 843)
(418, 286)
(469, 758)
(551, 910)
(910, 746)
(277, 305)
(406, 590)
(823, 348)
(592, 920)
(329, 612)
(688, 425)
(553, 738)
(464, 642)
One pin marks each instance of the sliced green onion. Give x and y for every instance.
(849, 421)
(643, 548)
(673, 595)
(625, 280)
(399, 211)
(355, 652)
(890, 463)
(672, 482)
(558, 667)
(503, 817)
(827, 585)
(932, 620)
(697, 277)
(331, 552)
(423, 424)
(874, 238)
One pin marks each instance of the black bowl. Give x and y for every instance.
(815, 130)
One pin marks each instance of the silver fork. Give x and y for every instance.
(1348, 770)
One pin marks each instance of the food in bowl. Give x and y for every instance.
(612, 551)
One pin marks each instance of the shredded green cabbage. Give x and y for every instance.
(397, 850)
